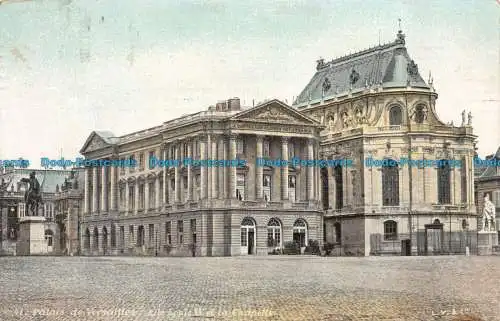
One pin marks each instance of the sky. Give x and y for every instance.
(68, 67)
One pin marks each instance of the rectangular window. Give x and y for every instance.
(240, 146)
(152, 195)
(131, 197)
(151, 233)
(266, 151)
(243, 237)
(141, 161)
(180, 232)
(131, 234)
(122, 236)
(240, 187)
(151, 156)
(193, 230)
(291, 151)
(172, 184)
(292, 182)
(141, 196)
(131, 160)
(463, 184)
(168, 233)
(266, 186)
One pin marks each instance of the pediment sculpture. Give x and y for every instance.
(274, 113)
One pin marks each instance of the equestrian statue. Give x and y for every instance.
(33, 196)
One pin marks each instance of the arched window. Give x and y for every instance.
(390, 230)
(339, 184)
(274, 233)
(395, 116)
(49, 235)
(248, 236)
(444, 186)
(300, 232)
(390, 185)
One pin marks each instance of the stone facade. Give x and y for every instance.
(391, 115)
(369, 104)
(211, 211)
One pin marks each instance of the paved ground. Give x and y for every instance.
(256, 288)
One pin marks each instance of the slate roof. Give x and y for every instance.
(48, 179)
(490, 171)
(388, 65)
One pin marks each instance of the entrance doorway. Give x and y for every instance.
(434, 238)
(248, 236)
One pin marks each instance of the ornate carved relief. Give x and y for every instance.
(95, 144)
(419, 114)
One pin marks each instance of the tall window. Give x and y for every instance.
(291, 151)
(390, 185)
(339, 188)
(151, 233)
(122, 196)
(122, 236)
(141, 196)
(274, 233)
(151, 156)
(197, 186)
(395, 116)
(193, 231)
(180, 232)
(168, 233)
(463, 182)
(300, 232)
(240, 187)
(292, 183)
(131, 198)
(152, 195)
(390, 230)
(444, 182)
(266, 187)
(131, 234)
(266, 151)
(141, 161)
(240, 146)
(185, 184)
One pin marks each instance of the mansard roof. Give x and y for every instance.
(388, 65)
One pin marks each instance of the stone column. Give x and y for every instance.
(165, 197)
(104, 189)
(146, 196)
(127, 197)
(86, 204)
(209, 171)
(136, 196)
(221, 171)
(190, 171)
(232, 169)
(213, 156)
(284, 169)
(310, 170)
(203, 169)
(113, 188)
(177, 173)
(259, 170)
(95, 190)
(225, 170)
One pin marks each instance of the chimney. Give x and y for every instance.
(234, 104)
(221, 106)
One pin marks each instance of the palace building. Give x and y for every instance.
(373, 103)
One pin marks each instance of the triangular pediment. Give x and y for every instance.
(94, 142)
(274, 111)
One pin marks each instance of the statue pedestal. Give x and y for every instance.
(31, 239)
(486, 240)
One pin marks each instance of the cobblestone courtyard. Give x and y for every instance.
(249, 288)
